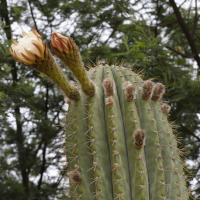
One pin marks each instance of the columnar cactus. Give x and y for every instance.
(119, 143)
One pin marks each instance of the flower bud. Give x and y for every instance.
(66, 49)
(61, 44)
(29, 49)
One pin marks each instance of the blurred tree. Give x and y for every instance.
(161, 37)
(31, 120)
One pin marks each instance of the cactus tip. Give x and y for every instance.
(89, 89)
(74, 95)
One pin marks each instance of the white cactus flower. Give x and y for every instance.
(28, 49)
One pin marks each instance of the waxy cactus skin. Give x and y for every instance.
(121, 141)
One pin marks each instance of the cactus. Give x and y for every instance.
(119, 143)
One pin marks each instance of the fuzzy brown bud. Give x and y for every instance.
(139, 138)
(129, 90)
(75, 176)
(159, 90)
(147, 90)
(165, 108)
(108, 87)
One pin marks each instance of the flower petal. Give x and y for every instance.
(14, 41)
(13, 46)
(39, 53)
(65, 47)
(20, 57)
(29, 48)
(40, 45)
(29, 53)
(35, 32)
(30, 61)
(13, 57)
(24, 33)
(32, 35)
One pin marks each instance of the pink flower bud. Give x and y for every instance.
(61, 44)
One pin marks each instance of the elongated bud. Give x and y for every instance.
(66, 49)
(159, 90)
(147, 90)
(30, 50)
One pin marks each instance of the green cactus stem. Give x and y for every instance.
(49, 67)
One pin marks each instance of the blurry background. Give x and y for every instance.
(162, 37)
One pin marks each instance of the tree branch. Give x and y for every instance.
(42, 167)
(183, 55)
(63, 174)
(161, 25)
(29, 2)
(19, 133)
(39, 146)
(190, 132)
(45, 144)
(49, 22)
(113, 32)
(182, 3)
(186, 32)
(195, 19)
(47, 101)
